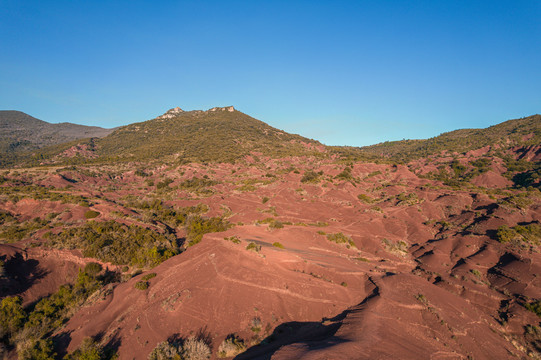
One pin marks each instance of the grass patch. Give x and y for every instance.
(91, 214)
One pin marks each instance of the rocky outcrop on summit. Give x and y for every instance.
(226, 108)
(171, 113)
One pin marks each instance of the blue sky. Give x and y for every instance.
(342, 72)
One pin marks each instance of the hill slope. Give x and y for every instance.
(218, 134)
(519, 132)
(20, 133)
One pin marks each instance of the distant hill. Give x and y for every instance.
(219, 134)
(21, 133)
(519, 132)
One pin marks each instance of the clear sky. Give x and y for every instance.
(342, 72)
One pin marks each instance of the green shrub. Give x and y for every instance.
(162, 185)
(365, 198)
(517, 201)
(422, 298)
(141, 285)
(45, 316)
(407, 199)
(320, 224)
(277, 224)
(345, 175)
(373, 173)
(89, 350)
(534, 307)
(253, 247)
(91, 214)
(341, 239)
(273, 223)
(264, 200)
(505, 234)
(12, 315)
(92, 268)
(141, 173)
(196, 184)
(311, 176)
(117, 243)
(231, 346)
(20, 230)
(233, 239)
(530, 233)
(197, 226)
(165, 351)
(278, 245)
(256, 324)
(36, 349)
(149, 276)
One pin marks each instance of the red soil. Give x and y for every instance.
(426, 278)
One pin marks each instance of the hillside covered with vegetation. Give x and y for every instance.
(226, 135)
(519, 132)
(220, 134)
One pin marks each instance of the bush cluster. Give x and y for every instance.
(231, 346)
(193, 348)
(534, 307)
(197, 226)
(341, 239)
(530, 233)
(396, 247)
(17, 231)
(253, 247)
(117, 243)
(29, 328)
(141, 285)
(311, 176)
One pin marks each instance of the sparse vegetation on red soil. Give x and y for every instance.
(432, 249)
